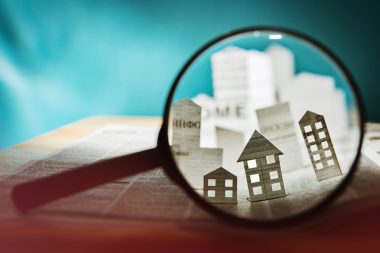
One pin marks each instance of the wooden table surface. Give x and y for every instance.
(70, 133)
(358, 232)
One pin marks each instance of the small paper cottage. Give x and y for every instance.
(262, 169)
(220, 187)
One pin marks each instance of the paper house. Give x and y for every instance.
(243, 75)
(283, 67)
(307, 90)
(262, 169)
(220, 187)
(319, 145)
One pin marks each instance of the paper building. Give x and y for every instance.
(318, 142)
(227, 114)
(262, 169)
(243, 75)
(220, 187)
(307, 90)
(276, 123)
(304, 90)
(283, 67)
(193, 161)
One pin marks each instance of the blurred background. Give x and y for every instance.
(61, 61)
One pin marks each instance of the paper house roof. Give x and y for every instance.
(219, 172)
(258, 147)
(308, 116)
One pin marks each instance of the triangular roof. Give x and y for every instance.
(188, 102)
(220, 170)
(309, 116)
(257, 147)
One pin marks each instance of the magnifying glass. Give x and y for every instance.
(261, 126)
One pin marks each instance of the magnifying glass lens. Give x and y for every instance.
(264, 125)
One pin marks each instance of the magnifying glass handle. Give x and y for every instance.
(31, 194)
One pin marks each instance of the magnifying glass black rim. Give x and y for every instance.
(176, 175)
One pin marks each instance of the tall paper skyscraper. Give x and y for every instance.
(277, 124)
(282, 66)
(243, 75)
(315, 92)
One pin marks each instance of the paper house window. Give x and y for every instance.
(325, 144)
(330, 162)
(319, 166)
(307, 128)
(322, 135)
(252, 164)
(311, 138)
(273, 175)
(270, 159)
(328, 153)
(228, 193)
(258, 190)
(211, 182)
(320, 146)
(211, 193)
(220, 187)
(255, 178)
(276, 187)
(228, 183)
(318, 125)
(267, 171)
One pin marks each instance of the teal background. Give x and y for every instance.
(64, 60)
(307, 58)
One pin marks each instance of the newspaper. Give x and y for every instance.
(149, 195)
(371, 145)
(146, 196)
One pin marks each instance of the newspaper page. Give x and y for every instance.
(148, 196)
(371, 145)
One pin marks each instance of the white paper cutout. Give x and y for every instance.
(277, 125)
(192, 160)
(262, 150)
(325, 167)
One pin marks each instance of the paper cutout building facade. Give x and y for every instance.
(189, 156)
(319, 145)
(220, 187)
(262, 169)
(277, 124)
(186, 123)
(243, 75)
